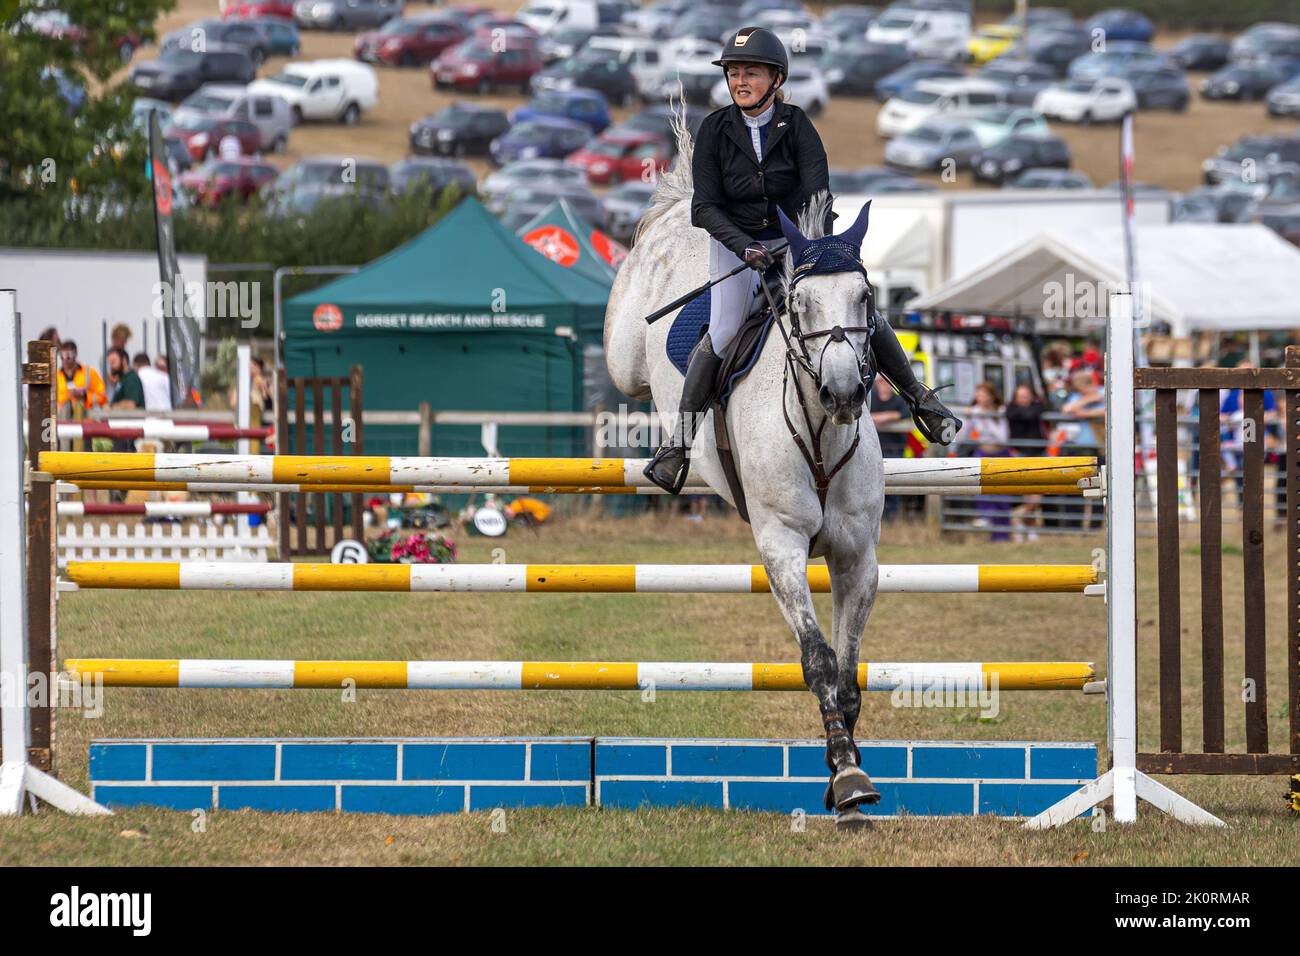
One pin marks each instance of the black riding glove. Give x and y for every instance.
(758, 257)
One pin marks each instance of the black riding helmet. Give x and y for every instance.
(756, 45)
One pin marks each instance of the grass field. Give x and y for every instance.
(639, 627)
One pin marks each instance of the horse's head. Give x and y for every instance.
(832, 314)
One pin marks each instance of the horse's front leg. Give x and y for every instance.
(854, 574)
(785, 557)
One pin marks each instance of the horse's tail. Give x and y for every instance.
(675, 183)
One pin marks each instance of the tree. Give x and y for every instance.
(67, 124)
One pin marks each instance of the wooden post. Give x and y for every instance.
(425, 438)
(42, 551)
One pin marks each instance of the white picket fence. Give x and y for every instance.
(120, 542)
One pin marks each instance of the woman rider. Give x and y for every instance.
(750, 157)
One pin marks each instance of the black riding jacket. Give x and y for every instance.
(735, 195)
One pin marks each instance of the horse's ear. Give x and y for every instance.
(792, 235)
(858, 231)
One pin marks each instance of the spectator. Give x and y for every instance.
(986, 426)
(1232, 430)
(1056, 373)
(1025, 427)
(1088, 403)
(260, 397)
(127, 391)
(155, 384)
(51, 335)
(228, 148)
(80, 387)
(119, 336)
(887, 407)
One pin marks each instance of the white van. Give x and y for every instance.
(952, 99)
(641, 56)
(270, 114)
(324, 89)
(930, 34)
(547, 15)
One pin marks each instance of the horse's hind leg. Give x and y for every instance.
(785, 557)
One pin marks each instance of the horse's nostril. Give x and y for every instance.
(825, 396)
(859, 395)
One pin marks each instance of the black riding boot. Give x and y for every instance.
(931, 416)
(671, 465)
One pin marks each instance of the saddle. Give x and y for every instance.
(738, 359)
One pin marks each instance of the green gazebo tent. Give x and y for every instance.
(564, 237)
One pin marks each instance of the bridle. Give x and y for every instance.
(840, 257)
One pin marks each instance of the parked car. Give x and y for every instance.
(506, 30)
(658, 120)
(567, 41)
(1214, 204)
(1043, 18)
(220, 179)
(529, 173)
(178, 73)
(855, 67)
(703, 22)
(338, 90)
(1279, 210)
(203, 134)
(956, 99)
(1252, 159)
(474, 65)
(937, 34)
(1055, 48)
(692, 80)
(1164, 87)
(582, 106)
(345, 14)
(1119, 57)
(282, 36)
(1021, 80)
(993, 126)
(597, 71)
(1049, 179)
(270, 114)
(623, 207)
(1018, 153)
(142, 106)
(1242, 81)
(1274, 46)
(545, 15)
(618, 157)
(1087, 101)
(405, 174)
(910, 73)
(640, 55)
(519, 205)
(992, 41)
(1200, 51)
(58, 25)
(408, 41)
(1253, 40)
(309, 181)
(1284, 99)
(1122, 25)
(538, 139)
(657, 18)
(202, 34)
(256, 9)
(461, 129)
(868, 179)
(849, 21)
(933, 144)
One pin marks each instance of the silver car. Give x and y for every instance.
(345, 14)
(931, 144)
(270, 114)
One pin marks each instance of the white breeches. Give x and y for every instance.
(729, 300)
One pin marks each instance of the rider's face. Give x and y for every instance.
(749, 82)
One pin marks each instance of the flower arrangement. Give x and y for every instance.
(423, 547)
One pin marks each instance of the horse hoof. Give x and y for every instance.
(852, 821)
(851, 787)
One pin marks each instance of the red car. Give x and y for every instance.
(260, 8)
(202, 135)
(57, 25)
(473, 65)
(221, 179)
(409, 41)
(617, 157)
(514, 32)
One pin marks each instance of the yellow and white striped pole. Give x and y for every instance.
(565, 675)
(564, 578)
(380, 471)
